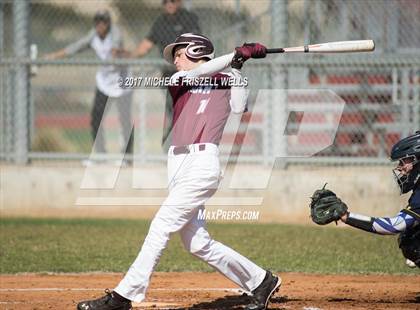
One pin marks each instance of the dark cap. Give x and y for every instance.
(102, 16)
(166, 1)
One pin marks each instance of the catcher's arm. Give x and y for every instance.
(326, 207)
(379, 225)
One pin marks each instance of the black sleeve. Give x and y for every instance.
(190, 21)
(156, 31)
(360, 221)
(194, 23)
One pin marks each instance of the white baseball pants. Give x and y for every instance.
(193, 179)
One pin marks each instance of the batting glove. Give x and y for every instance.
(247, 51)
(252, 50)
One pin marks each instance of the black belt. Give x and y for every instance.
(185, 149)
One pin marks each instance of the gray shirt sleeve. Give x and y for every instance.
(81, 44)
(116, 37)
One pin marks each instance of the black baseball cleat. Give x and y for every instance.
(108, 302)
(262, 294)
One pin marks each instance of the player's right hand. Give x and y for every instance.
(120, 53)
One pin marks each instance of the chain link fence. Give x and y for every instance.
(46, 105)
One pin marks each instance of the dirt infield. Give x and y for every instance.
(213, 291)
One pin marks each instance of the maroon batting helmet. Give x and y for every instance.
(197, 47)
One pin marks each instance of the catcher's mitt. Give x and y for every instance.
(326, 207)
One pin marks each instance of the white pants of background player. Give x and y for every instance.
(193, 179)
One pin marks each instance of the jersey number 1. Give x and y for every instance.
(202, 106)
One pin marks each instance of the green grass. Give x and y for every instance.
(79, 139)
(51, 245)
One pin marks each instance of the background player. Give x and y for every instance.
(326, 207)
(174, 21)
(106, 40)
(200, 115)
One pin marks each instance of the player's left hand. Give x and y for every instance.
(247, 51)
(326, 207)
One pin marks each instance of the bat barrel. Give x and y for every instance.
(354, 46)
(343, 47)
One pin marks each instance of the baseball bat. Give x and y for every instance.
(354, 46)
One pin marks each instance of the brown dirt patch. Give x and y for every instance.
(212, 291)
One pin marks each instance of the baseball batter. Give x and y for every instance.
(200, 115)
(327, 207)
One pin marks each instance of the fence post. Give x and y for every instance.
(279, 38)
(238, 35)
(1, 29)
(405, 102)
(3, 90)
(416, 98)
(21, 82)
(3, 98)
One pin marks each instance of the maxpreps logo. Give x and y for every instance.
(99, 184)
(228, 215)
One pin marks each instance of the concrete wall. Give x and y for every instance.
(55, 191)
